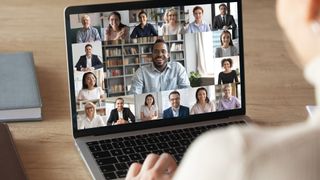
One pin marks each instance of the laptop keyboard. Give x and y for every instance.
(114, 156)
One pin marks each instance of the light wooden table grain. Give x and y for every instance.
(276, 91)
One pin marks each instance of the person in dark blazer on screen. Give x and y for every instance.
(120, 115)
(89, 61)
(176, 110)
(224, 21)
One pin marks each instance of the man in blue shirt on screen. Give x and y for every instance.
(160, 75)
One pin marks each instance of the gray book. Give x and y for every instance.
(19, 92)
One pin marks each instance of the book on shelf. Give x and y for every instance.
(20, 96)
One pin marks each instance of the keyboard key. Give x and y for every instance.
(121, 166)
(180, 150)
(174, 143)
(116, 152)
(92, 143)
(140, 149)
(106, 161)
(110, 175)
(107, 168)
(106, 147)
(118, 145)
(99, 155)
(129, 143)
(163, 145)
(135, 157)
(128, 151)
(95, 148)
(151, 147)
(124, 158)
(121, 174)
(170, 151)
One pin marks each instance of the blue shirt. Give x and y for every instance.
(147, 30)
(193, 27)
(88, 35)
(149, 79)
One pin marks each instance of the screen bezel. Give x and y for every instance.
(158, 123)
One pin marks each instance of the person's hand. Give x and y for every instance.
(225, 27)
(155, 167)
(121, 121)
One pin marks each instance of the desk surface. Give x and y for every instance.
(276, 91)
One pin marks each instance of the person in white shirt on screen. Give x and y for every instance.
(90, 119)
(198, 25)
(251, 153)
(90, 90)
(172, 26)
(160, 75)
(149, 111)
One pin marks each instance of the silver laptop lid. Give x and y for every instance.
(120, 80)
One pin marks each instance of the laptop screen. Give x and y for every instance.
(138, 65)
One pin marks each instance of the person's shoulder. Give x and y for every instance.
(167, 110)
(184, 107)
(175, 64)
(93, 29)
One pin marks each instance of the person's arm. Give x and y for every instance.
(142, 116)
(80, 97)
(134, 33)
(101, 92)
(216, 22)
(218, 52)
(235, 76)
(220, 78)
(131, 116)
(97, 35)
(79, 38)
(220, 107)
(111, 118)
(97, 64)
(183, 79)
(155, 113)
(100, 121)
(153, 31)
(233, 22)
(78, 66)
(137, 82)
(126, 33)
(238, 104)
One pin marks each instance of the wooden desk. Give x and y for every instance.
(276, 91)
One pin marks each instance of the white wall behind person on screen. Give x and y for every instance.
(199, 53)
(207, 14)
(75, 20)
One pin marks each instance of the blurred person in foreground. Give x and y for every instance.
(251, 153)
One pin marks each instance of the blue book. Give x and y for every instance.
(19, 92)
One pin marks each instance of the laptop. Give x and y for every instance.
(150, 76)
